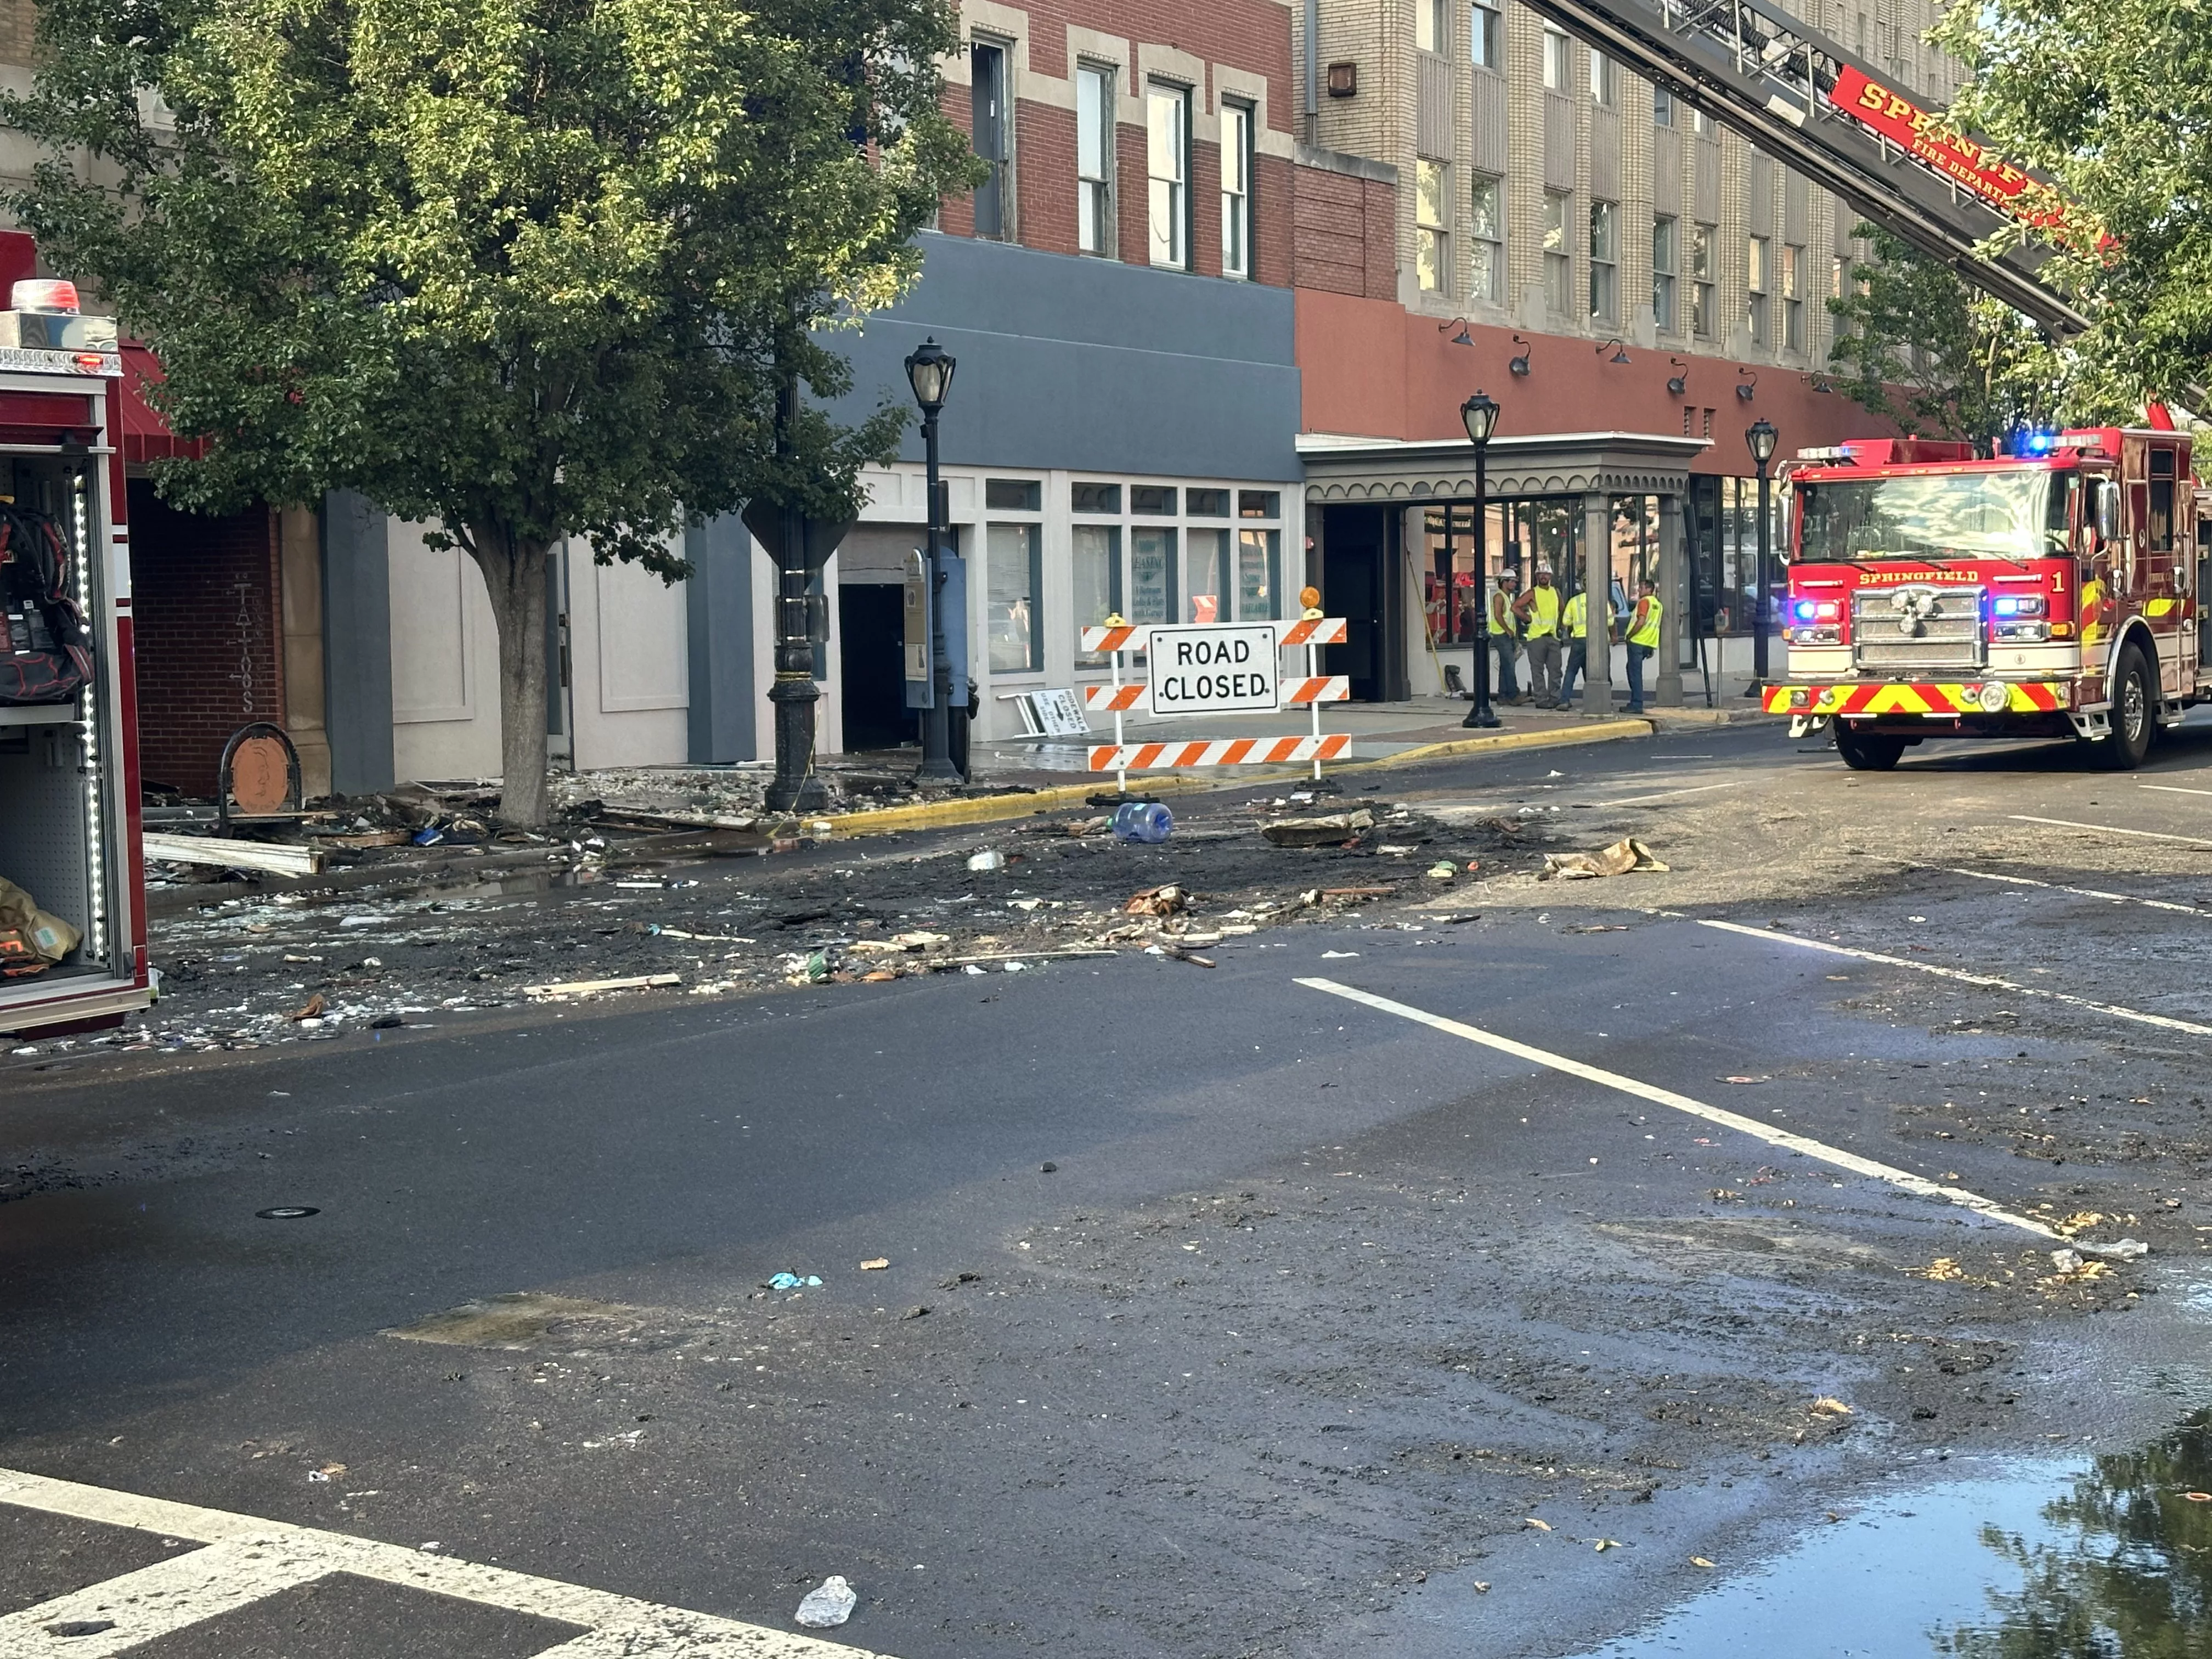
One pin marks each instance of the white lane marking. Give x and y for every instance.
(1989, 981)
(2173, 789)
(249, 1557)
(1668, 794)
(2083, 892)
(1904, 1180)
(2111, 829)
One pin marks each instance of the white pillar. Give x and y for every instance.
(1597, 586)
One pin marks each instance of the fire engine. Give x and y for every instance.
(2052, 592)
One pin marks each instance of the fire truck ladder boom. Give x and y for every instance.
(1751, 64)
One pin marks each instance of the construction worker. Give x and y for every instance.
(1577, 621)
(1643, 640)
(1538, 613)
(1506, 637)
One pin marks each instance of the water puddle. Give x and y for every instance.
(2104, 1558)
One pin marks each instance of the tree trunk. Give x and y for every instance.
(514, 574)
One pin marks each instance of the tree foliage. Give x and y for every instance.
(2112, 99)
(1922, 348)
(524, 268)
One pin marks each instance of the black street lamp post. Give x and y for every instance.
(1761, 438)
(1479, 414)
(929, 371)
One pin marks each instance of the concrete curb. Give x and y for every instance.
(999, 808)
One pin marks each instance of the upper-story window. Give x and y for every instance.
(1604, 263)
(1167, 165)
(1703, 316)
(1793, 296)
(1432, 24)
(1094, 158)
(1236, 189)
(1485, 37)
(1759, 275)
(1486, 225)
(1557, 75)
(992, 125)
(1663, 106)
(1604, 78)
(1432, 224)
(1559, 259)
(1664, 255)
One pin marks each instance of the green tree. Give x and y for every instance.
(518, 269)
(2112, 100)
(1921, 348)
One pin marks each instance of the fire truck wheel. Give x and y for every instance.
(1867, 752)
(2134, 715)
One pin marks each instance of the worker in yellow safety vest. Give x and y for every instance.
(1577, 614)
(1505, 636)
(1538, 611)
(1643, 640)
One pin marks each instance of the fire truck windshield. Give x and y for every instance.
(2004, 515)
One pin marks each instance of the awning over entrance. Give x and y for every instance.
(1385, 470)
(145, 436)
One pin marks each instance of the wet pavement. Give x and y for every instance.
(1221, 1314)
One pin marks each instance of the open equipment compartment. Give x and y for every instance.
(69, 770)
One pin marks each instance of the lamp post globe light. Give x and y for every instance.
(1479, 414)
(1761, 439)
(929, 371)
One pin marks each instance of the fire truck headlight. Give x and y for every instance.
(1995, 698)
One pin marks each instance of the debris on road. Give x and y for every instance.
(269, 857)
(916, 1312)
(1622, 856)
(579, 987)
(1329, 831)
(1443, 869)
(828, 1605)
(788, 1281)
(311, 1008)
(1164, 901)
(989, 859)
(1178, 954)
(1146, 823)
(1828, 1405)
(1699, 1561)
(875, 1264)
(2066, 1261)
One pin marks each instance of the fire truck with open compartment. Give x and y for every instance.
(72, 916)
(2053, 591)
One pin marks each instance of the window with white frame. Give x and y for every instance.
(1161, 553)
(1758, 276)
(1236, 189)
(1013, 617)
(1603, 78)
(1558, 259)
(1604, 263)
(1703, 315)
(1485, 37)
(1662, 106)
(1664, 266)
(1793, 296)
(1487, 225)
(1559, 76)
(1432, 224)
(1167, 165)
(1094, 158)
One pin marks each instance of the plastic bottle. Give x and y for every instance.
(1146, 821)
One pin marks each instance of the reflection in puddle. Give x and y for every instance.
(2108, 1559)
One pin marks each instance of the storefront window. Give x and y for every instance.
(1096, 581)
(1152, 575)
(1013, 619)
(1259, 575)
(1205, 563)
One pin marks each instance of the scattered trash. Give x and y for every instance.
(970, 967)
(1624, 855)
(1175, 952)
(1319, 832)
(362, 921)
(1337, 955)
(1699, 1561)
(876, 1264)
(793, 1282)
(1146, 823)
(828, 1605)
(1746, 1080)
(1605, 1544)
(877, 975)
(386, 1022)
(2198, 1496)
(1164, 901)
(1597, 927)
(1443, 869)
(1541, 1526)
(328, 1472)
(989, 859)
(312, 1009)
(2066, 1261)
(817, 971)
(1396, 852)
(1048, 1169)
(917, 1311)
(1482, 1585)
(1829, 1405)
(2125, 1249)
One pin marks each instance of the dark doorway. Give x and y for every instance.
(1358, 583)
(871, 629)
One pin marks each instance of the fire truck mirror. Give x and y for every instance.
(2108, 510)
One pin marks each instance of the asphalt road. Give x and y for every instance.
(1225, 1315)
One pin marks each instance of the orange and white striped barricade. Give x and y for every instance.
(1113, 637)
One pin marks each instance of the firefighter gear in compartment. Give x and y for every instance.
(32, 940)
(45, 654)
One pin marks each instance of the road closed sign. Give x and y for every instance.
(1214, 669)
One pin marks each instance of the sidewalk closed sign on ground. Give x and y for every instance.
(1212, 670)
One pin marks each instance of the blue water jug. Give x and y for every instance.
(1146, 821)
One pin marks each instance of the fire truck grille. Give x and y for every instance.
(1918, 628)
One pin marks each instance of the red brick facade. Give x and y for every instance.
(210, 628)
(1344, 240)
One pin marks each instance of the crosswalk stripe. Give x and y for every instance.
(249, 1559)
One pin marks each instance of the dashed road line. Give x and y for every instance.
(2111, 829)
(1903, 1180)
(249, 1559)
(2173, 789)
(2081, 893)
(1987, 980)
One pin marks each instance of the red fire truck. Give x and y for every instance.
(72, 915)
(2049, 592)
